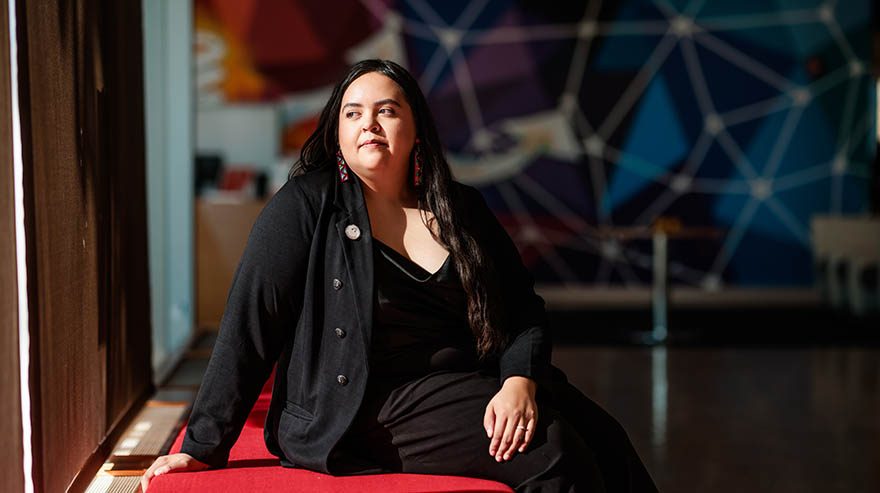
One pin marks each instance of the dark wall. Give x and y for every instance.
(82, 127)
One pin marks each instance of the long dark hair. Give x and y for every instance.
(435, 195)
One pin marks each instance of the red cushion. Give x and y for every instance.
(254, 469)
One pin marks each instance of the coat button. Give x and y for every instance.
(337, 284)
(342, 379)
(353, 232)
(339, 333)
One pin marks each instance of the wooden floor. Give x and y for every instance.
(742, 419)
(729, 419)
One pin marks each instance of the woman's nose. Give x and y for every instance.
(371, 125)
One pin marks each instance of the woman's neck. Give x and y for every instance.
(388, 195)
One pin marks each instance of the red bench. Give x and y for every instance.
(252, 469)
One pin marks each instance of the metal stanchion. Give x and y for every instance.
(660, 298)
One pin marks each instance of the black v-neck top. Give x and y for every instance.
(420, 323)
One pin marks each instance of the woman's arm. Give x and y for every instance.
(261, 310)
(512, 414)
(528, 351)
(265, 297)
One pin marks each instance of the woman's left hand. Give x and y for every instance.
(511, 417)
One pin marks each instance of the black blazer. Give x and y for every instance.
(302, 297)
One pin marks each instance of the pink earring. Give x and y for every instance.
(343, 166)
(417, 165)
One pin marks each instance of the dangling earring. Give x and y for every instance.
(343, 166)
(417, 165)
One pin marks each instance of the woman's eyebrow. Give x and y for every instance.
(386, 101)
(377, 103)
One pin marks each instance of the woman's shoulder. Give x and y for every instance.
(297, 203)
(312, 184)
(309, 189)
(471, 202)
(467, 193)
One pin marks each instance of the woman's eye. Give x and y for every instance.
(388, 111)
(351, 114)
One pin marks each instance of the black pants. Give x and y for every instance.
(434, 425)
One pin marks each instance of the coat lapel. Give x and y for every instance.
(358, 252)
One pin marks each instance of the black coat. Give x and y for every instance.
(302, 297)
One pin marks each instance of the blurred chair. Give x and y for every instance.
(846, 253)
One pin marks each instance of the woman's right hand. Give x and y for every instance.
(171, 463)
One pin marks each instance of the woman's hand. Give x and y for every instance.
(169, 463)
(511, 417)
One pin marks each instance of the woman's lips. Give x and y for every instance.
(373, 144)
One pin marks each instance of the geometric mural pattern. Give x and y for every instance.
(741, 117)
(583, 123)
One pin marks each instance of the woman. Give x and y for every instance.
(405, 329)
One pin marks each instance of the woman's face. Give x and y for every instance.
(377, 129)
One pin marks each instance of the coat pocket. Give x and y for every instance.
(294, 425)
(298, 411)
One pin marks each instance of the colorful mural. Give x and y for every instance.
(583, 123)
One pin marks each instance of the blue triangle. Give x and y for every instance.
(656, 143)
